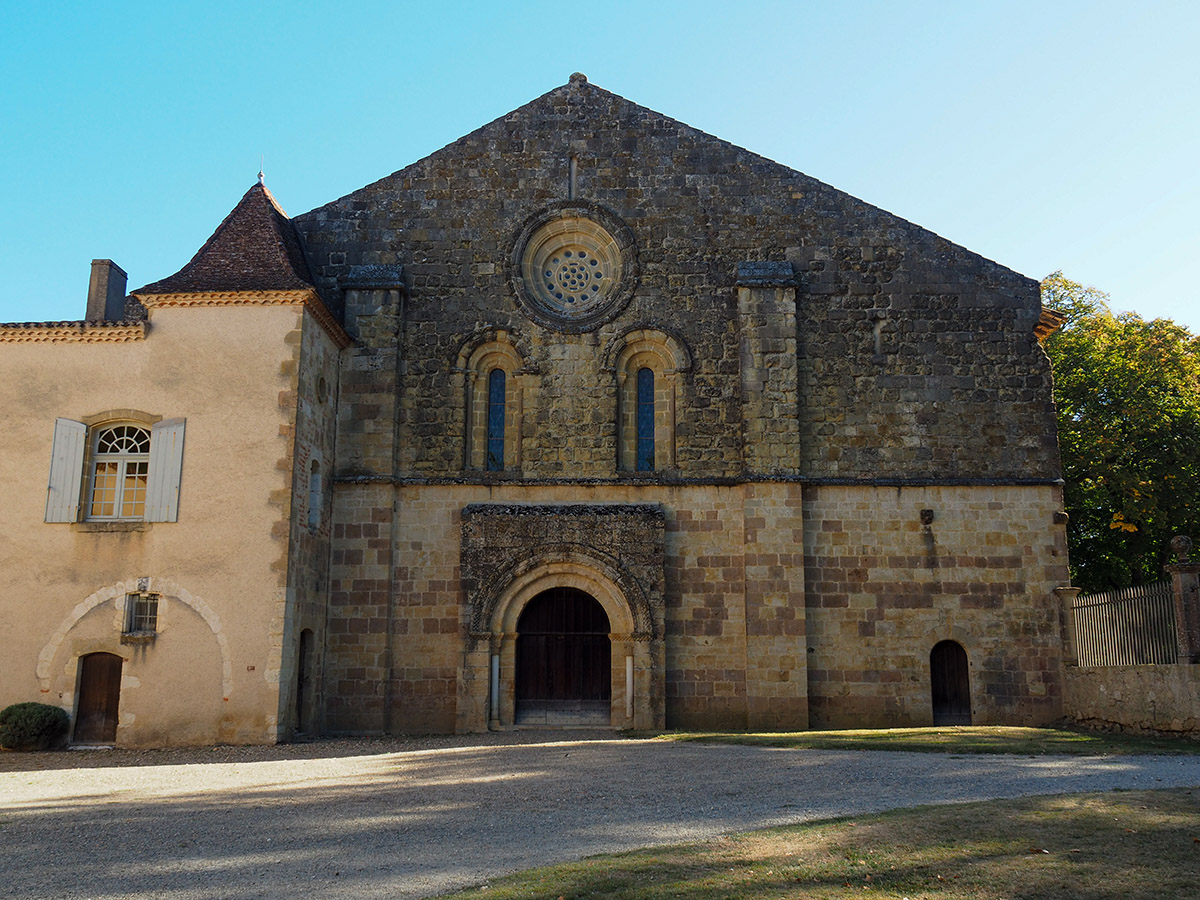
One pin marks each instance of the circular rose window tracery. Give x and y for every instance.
(572, 272)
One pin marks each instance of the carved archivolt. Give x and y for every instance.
(498, 603)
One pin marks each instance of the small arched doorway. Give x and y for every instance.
(304, 679)
(950, 683)
(563, 660)
(99, 696)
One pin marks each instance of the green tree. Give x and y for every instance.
(1128, 395)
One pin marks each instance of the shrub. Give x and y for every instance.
(32, 726)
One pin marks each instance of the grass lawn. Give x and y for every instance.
(1134, 844)
(956, 739)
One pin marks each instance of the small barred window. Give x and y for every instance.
(141, 613)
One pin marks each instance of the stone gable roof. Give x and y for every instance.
(254, 249)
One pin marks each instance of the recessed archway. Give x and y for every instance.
(563, 660)
(950, 684)
(621, 623)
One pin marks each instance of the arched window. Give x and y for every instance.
(648, 365)
(494, 376)
(314, 495)
(495, 421)
(128, 472)
(120, 471)
(645, 420)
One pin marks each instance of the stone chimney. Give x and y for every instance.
(106, 292)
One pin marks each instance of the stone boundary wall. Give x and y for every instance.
(1134, 698)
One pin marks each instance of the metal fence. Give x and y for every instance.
(1132, 626)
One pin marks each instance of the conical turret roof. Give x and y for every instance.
(254, 249)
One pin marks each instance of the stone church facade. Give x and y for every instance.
(586, 418)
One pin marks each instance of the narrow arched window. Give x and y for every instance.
(314, 496)
(495, 421)
(645, 420)
(120, 468)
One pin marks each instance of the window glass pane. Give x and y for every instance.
(104, 490)
(645, 420)
(495, 421)
(133, 494)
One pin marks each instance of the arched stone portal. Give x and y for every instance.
(610, 553)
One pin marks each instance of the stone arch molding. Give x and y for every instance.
(939, 632)
(115, 593)
(671, 350)
(495, 339)
(501, 600)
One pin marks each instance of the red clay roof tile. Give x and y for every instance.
(254, 249)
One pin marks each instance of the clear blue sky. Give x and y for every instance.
(1042, 135)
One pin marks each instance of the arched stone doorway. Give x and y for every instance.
(950, 683)
(99, 696)
(563, 660)
(636, 656)
(305, 701)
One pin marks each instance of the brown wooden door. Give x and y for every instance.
(564, 657)
(304, 699)
(951, 684)
(99, 694)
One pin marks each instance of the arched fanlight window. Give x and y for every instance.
(120, 471)
(645, 420)
(495, 421)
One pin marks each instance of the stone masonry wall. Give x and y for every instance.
(883, 588)
(315, 401)
(1134, 698)
(356, 674)
(733, 603)
(916, 358)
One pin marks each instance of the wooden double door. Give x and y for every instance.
(564, 660)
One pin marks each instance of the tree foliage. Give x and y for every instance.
(1128, 395)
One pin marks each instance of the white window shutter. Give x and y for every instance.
(66, 471)
(166, 466)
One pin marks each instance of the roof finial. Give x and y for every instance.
(261, 158)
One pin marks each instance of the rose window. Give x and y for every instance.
(572, 271)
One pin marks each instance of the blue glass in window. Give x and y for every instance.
(495, 421)
(645, 420)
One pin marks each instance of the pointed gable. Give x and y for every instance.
(254, 249)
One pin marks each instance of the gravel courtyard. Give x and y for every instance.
(407, 819)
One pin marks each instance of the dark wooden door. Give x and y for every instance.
(951, 684)
(564, 657)
(99, 694)
(304, 699)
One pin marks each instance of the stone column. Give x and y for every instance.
(1066, 597)
(1185, 585)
